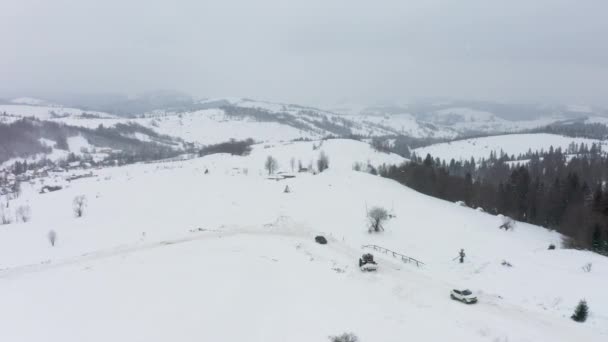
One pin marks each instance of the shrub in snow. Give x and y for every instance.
(322, 162)
(23, 213)
(271, 164)
(507, 223)
(80, 202)
(321, 239)
(570, 243)
(52, 237)
(5, 216)
(551, 246)
(581, 312)
(376, 216)
(587, 267)
(346, 337)
(506, 263)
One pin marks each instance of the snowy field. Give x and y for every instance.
(165, 251)
(512, 144)
(212, 126)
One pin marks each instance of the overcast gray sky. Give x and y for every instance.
(310, 52)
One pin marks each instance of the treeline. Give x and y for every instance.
(307, 120)
(576, 129)
(234, 147)
(549, 190)
(402, 145)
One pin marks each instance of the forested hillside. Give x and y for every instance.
(554, 189)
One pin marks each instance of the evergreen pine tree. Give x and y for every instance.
(581, 311)
(596, 239)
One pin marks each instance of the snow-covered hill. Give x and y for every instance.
(511, 144)
(45, 112)
(218, 120)
(212, 121)
(166, 251)
(449, 119)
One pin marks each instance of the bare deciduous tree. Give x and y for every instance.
(376, 216)
(587, 267)
(52, 236)
(292, 163)
(322, 162)
(5, 216)
(23, 213)
(80, 202)
(271, 165)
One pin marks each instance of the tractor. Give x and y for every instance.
(367, 263)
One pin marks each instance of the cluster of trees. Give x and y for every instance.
(551, 190)
(23, 213)
(234, 147)
(18, 139)
(271, 164)
(306, 119)
(22, 138)
(402, 145)
(576, 129)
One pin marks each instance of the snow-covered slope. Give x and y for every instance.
(456, 118)
(463, 119)
(45, 112)
(166, 251)
(511, 144)
(212, 126)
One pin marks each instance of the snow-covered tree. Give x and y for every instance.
(376, 216)
(271, 164)
(52, 236)
(23, 213)
(322, 162)
(5, 216)
(80, 202)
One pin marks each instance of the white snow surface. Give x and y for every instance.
(48, 112)
(212, 126)
(512, 144)
(167, 252)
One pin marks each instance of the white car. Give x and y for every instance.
(465, 296)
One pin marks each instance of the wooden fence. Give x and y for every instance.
(404, 258)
